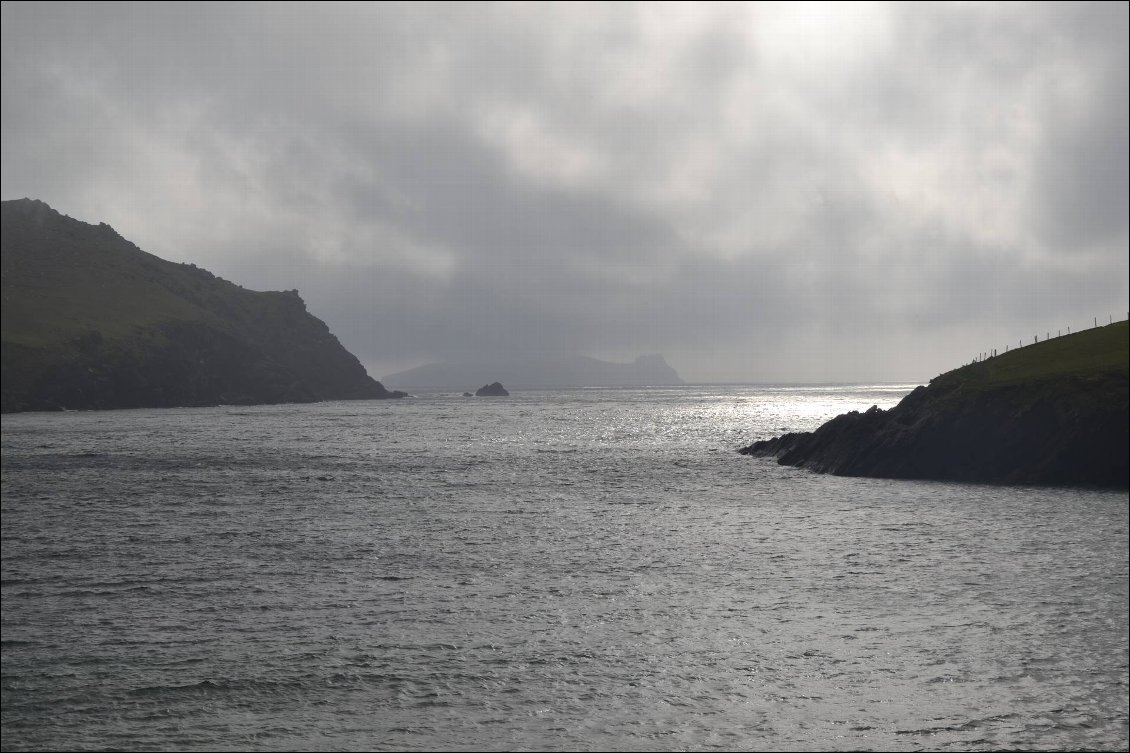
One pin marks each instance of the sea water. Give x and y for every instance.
(556, 570)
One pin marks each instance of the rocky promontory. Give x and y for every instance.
(494, 389)
(91, 321)
(1056, 412)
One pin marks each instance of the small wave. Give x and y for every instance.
(158, 690)
(109, 592)
(212, 687)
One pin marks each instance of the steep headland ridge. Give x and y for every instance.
(91, 321)
(1055, 412)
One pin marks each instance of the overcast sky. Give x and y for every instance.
(761, 192)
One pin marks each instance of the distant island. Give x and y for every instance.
(495, 389)
(90, 321)
(1055, 412)
(540, 373)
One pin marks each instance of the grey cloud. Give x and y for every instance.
(1082, 174)
(439, 179)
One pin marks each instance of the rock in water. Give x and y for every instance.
(91, 321)
(540, 372)
(494, 389)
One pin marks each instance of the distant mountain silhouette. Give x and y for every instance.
(91, 321)
(565, 371)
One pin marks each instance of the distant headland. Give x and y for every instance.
(540, 372)
(90, 321)
(1056, 412)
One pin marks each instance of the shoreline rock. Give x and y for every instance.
(1068, 428)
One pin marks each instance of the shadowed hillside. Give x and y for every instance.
(91, 321)
(1055, 412)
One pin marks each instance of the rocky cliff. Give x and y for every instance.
(90, 321)
(1052, 413)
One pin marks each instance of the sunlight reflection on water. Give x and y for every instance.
(590, 569)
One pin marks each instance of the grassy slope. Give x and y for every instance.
(86, 279)
(71, 289)
(1094, 354)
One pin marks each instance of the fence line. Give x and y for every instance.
(986, 355)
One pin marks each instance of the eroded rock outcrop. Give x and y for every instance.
(1057, 414)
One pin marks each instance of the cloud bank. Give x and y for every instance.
(793, 192)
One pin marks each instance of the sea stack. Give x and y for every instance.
(494, 389)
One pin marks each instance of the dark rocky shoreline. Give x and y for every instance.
(972, 425)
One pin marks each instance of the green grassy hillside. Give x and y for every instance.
(91, 321)
(1092, 353)
(62, 278)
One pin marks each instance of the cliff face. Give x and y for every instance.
(1053, 413)
(90, 321)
